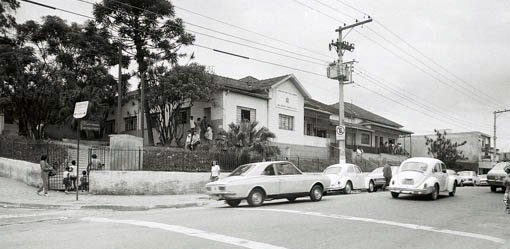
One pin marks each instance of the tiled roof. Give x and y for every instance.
(312, 103)
(262, 84)
(358, 112)
(249, 79)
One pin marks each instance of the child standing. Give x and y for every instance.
(506, 184)
(215, 171)
(84, 181)
(67, 179)
(73, 175)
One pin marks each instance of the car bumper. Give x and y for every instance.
(497, 183)
(223, 195)
(335, 188)
(467, 181)
(413, 191)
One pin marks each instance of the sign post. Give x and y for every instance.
(80, 111)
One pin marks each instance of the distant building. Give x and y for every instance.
(477, 149)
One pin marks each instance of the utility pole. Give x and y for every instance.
(119, 92)
(340, 46)
(494, 152)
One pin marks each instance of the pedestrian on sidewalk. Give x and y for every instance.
(45, 170)
(387, 174)
(84, 181)
(67, 179)
(215, 171)
(73, 174)
(506, 184)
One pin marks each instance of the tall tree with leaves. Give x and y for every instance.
(155, 32)
(7, 20)
(174, 88)
(444, 149)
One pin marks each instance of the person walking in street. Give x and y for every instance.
(387, 175)
(45, 170)
(506, 184)
(215, 171)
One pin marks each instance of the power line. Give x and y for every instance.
(55, 8)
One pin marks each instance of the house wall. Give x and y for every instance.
(232, 100)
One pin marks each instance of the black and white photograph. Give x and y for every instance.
(269, 124)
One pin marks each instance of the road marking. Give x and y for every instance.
(9, 216)
(190, 232)
(386, 222)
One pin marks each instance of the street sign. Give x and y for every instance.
(340, 132)
(80, 109)
(90, 125)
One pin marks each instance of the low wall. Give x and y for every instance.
(146, 182)
(29, 173)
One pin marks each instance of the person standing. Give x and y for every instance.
(215, 171)
(506, 184)
(208, 135)
(192, 123)
(73, 175)
(195, 140)
(187, 145)
(45, 170)
(67, 180)
(387, 174)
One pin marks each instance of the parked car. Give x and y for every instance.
(257, 182)
(496, 175)
(377, 176)
(468, 177)
(482, 180)
(422, 176)
(457, 177)
(346, 177)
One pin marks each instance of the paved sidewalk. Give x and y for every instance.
(18, 194)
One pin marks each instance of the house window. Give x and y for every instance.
(286, 122)
(109, 127)
(365, 139)
(130, 123)
(245, 114)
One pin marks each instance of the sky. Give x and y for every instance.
(435, 64)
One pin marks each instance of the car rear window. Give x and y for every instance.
(378, 170)
(242, 170)
(333, 170)
(414, 166)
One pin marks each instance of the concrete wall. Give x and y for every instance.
(124, 144)
(295, 150)
(29, 173)
(146, 182)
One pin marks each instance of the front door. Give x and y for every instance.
(270, 181)
(441, 177)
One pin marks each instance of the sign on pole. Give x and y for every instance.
(340, 133)
(80, 109)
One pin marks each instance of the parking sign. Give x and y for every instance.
(340, 132)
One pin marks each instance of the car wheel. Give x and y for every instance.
(493, 189)
(256, 197)
(291, 199)
(371, 187)
(233, 203)
(395, 195)
(316, 193)
(435, 193)
(453, 190)
(348, 188)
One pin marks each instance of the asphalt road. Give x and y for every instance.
(474, 218)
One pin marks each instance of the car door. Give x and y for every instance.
(441, 177)
(270, 181)
(352, 176)
(358, 176)
(291, 180)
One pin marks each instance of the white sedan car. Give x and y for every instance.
(257, 182)
(346, 177)
(422, 176)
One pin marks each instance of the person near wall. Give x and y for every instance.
(387, 174)
(95, 163)
(66, 179)
(73, 175)
(195, 140)
(187, 145)
(215, 171)
(84, 181)
(45, 170)
(192, 123)
(208, 135)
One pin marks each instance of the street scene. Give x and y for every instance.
(250, 124)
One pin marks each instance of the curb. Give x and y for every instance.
(96, 207)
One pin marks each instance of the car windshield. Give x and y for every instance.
(451, 172)
(241, 170)
(377, 171)
(333, 170)
(414, 166)
(467, 173)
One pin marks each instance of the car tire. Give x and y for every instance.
(433, 196)
(291, 199)
(371, 187)
(316, 192)
(256, 197)
(453, 190)
(348, 188)
(395, 195)
(494, 189)
(233, 203)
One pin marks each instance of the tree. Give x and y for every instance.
(443, 149)
(155, 32)
(173, 88)
(6, 19)
(246, 138)
(51, 65)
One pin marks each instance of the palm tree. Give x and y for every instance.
(245, 138)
